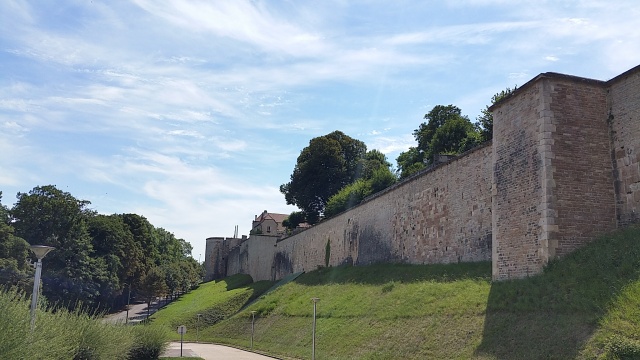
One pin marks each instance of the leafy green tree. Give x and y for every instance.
(323, 168)
(152, 285)
(15, 269)
(381, 179)
(485, 120)
(450, 138)
(293, 220)
(145, 236)
(49, 216)
(120, 255)
(446, 131)
(410, 162)
(348, 197)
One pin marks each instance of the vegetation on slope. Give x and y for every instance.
(214, 301)
(584, 306)
(71, 335)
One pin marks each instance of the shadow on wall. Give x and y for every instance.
(554, 314)
(378, 274)
(372, 248)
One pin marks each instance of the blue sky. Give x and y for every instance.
(192, 113)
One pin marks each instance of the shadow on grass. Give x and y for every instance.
(378, 274)
(552, 315)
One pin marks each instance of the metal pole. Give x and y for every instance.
(34, 297)
(313, 341)
(198, 326)
(253, 318)
(128, 301)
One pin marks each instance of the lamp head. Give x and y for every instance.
(41, 250)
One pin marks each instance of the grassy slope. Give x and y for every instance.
(586, 305)
(214, 300)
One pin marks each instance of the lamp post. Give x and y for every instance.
(197, 326)
(126, 321)
(313, 341)
(253, 319)
(40, 251)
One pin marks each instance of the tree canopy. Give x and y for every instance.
(485, 120)
(97, 256)
(329, 163)
(446, 131)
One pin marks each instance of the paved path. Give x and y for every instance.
(211, 352)
(137, 312)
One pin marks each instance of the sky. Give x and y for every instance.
(192, 113)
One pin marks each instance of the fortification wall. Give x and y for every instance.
(440, 216)
(624, 117)
(563, 168)
(216, 256)
(519, 156)
(553, 183)
(583, 192)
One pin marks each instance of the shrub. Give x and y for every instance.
(149, 342)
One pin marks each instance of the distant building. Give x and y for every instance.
(269, 224)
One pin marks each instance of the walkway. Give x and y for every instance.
(211, 352)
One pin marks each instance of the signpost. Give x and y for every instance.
(181, 330)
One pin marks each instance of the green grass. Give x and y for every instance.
(215, 301)
(584, 306)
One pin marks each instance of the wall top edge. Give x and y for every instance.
(554, 75)
(625, 74)
(542, 76)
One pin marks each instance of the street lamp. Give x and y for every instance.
(253, 319)
(197, 326)
(313, 343)
(126, 321)
(40, 251)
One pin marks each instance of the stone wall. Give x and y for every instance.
(583, 193)
(564, 167)
(517, 189)
(442, 215)
(553, 183)
(624, 117)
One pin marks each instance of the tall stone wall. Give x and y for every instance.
(583, 192)
(564, 167)
(553, 183)
(624, 117)
(520, 176)
(440, 216)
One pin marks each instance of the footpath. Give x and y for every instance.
(139, 311)
(211, 352)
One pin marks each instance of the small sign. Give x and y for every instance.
(182, 329)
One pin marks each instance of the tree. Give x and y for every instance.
(376, 176)
(348, 197)
(152, 285)
(15, 269)
(323, 168)
(293, 220)
(121, 256)
(410, 162)
(446, 131)
(145, 236)
(49, 216)
(451, 137)
(485, 121)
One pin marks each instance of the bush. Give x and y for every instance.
(150, 341)
(57, 335)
